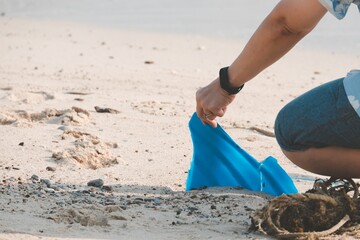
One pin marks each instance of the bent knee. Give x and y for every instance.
(302, 159)
(282, 133)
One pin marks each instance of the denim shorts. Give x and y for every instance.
(321, 117)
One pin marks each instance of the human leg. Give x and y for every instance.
(320, 132)
(329, 161)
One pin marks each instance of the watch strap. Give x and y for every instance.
(225, 82)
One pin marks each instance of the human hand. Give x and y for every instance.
(211, 102)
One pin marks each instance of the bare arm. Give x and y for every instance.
(287, 24)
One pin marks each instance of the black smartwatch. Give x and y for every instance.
(225, 82)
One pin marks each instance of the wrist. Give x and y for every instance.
(225, 82)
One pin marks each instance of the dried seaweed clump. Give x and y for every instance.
(326, 209)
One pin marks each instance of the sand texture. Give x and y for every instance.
(82, 102)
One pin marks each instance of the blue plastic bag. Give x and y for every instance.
(219, 161)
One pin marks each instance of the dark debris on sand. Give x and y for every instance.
(331, 208)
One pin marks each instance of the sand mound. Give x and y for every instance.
(74, 116)
(28, 97)
(88, 150)
(85, 217)
(89, 216)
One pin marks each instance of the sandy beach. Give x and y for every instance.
(82, 101)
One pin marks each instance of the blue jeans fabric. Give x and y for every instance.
(321, 117)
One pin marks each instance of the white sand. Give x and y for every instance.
(59, 65)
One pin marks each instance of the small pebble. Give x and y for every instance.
(139, 202)
(56, 188)
(77, 193)
(51, 169)
(157, 201)
(46, 182)
(60, 203)
(96, 183)
(192, 209)
(65, 128)
(106, 188)
(49, 190)
(12, 179)
(109, 202)
(35, 177)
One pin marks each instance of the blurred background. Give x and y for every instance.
(216, 18)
